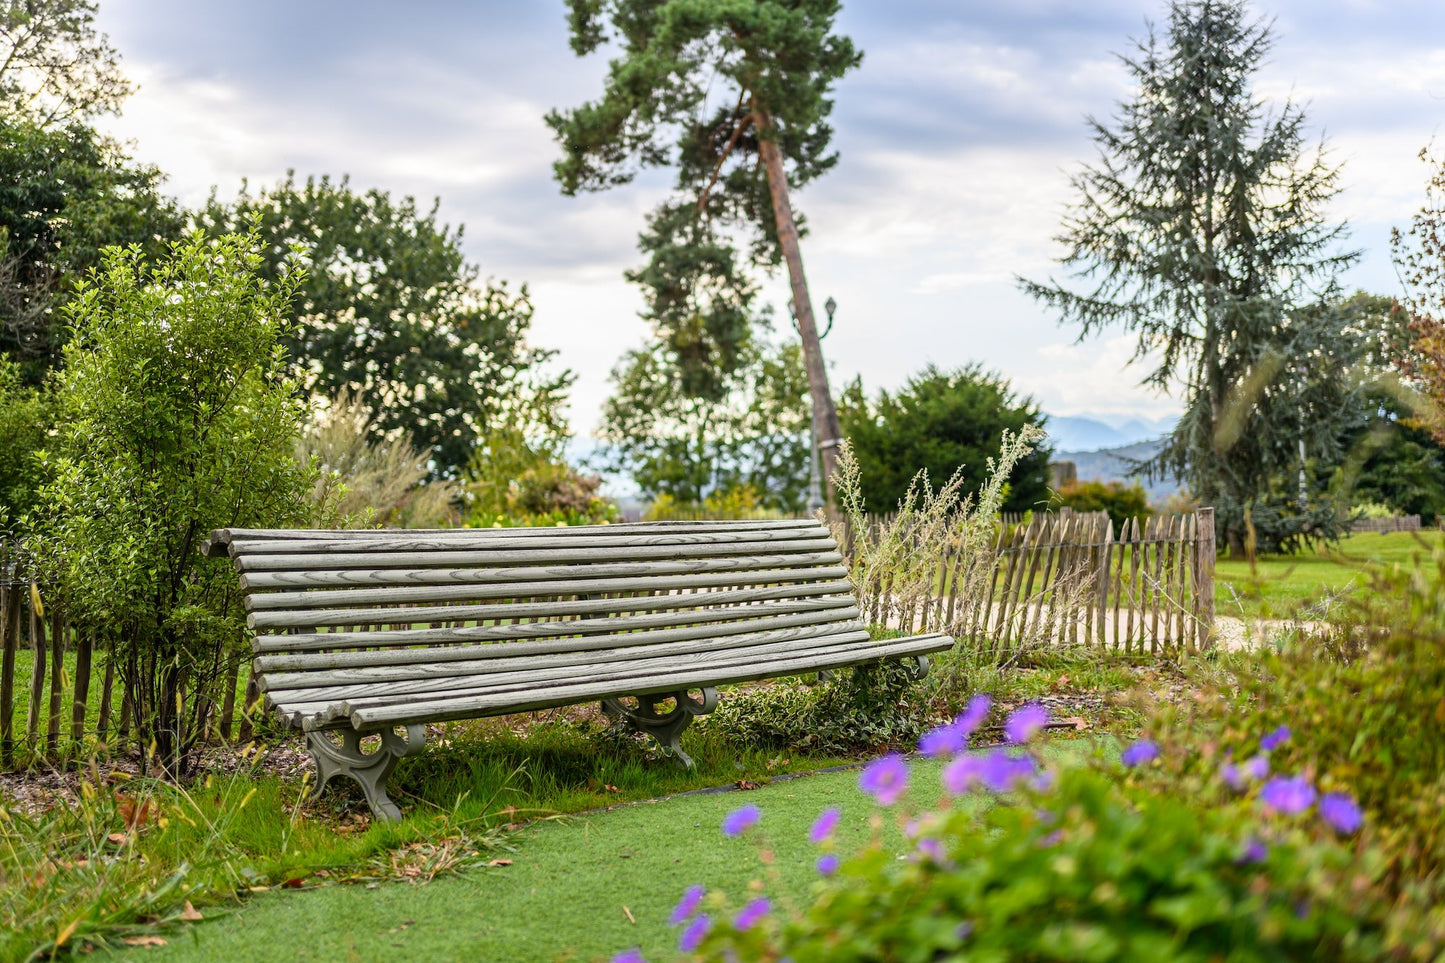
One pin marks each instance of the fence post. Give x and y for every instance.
(1204, 574)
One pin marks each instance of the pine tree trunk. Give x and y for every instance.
(829, 431)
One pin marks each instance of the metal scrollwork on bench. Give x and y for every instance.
(665, 727)
(370, 769)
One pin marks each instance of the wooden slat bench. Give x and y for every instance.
(362, 632)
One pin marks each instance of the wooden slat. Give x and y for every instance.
(372, 560)
(465, 651)
(544, 629)
(550, 609)
(251, 581)
(319, 598)
(621, 542)
(547, 697)
(530, 673)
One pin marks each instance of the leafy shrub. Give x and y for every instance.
(1366, 697)
(516, 480)
(739, 501)
(1071, 865)
(1121, 501)
(25, 417)
(175, 420)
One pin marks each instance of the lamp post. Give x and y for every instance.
(815, 480)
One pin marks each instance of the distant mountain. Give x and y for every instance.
(1118, 464)
(1093, 432)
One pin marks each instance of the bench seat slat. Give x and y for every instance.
(551, 608)
(534, 672)
(453, 559)
(280, 683)
(442, 710)
(462, 652)
(320, 598)
(488, 540)
(444, 576)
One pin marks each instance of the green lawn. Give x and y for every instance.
(1282, 586)
(581, 889)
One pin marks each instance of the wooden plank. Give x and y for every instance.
(492, 659)
(57, 675)
(1132, 599)
(1181, 573)
(10, 637)
(550, 609)
(251, 581)
(568, 628)
(547, 697)
(1041, 530)
(463, 559)
(84, 645)
(1156, 584)
(1207, 555)
(320, 598)
(553, 538)
(523, 674)
(1003, 632)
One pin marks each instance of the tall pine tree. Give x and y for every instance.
(733, 95)
(1201, 229)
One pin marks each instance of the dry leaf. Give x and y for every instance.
(120, 839)
(611, 788)
(500, 862)
(628, 913)
(747, 784)
(189, 913)
(1078, 722)
(64, 934)
(143, 941)
(294, 883)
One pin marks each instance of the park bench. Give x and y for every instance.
(362, 633)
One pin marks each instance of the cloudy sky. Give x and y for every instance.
(957, 137)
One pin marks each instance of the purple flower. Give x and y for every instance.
(942, 741)
(1275, 739)
(974, 713)
(749, 915)
(1257, 768)
(1001, 771)
(932, 849)
(823, 826)
(1141, 752)
(1025, 722)
(884, 779)
(1254, 852)
(686, 906)
(962, 774)
(827, 864)
(693, 935)
(1232, 777)
(740, 820)
(1051, 839)
(1341, 812)
(963, 930)
(633, 955)
(1291, 796)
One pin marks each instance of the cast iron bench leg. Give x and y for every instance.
(665, 727)
(368, 769)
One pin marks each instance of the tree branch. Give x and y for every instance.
(728, 149)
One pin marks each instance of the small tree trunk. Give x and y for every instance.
(829, 431)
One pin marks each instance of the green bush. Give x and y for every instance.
(175, 419)
(1121, 501)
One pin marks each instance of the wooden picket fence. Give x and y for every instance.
(71, 696)
(1069, 579)
(1396, 523)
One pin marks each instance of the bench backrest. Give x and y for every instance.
(322, 601)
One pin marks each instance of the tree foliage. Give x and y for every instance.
(65, 192)
(391, 310)
(688, 448)
(942, 422)
(25, 417)
(1419, 255)
(735, 97)
(1201, 229)
(54, 66)
(1122, 501)
(175, 419)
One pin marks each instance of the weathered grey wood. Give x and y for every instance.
(546, 698)
(619, 541)
(532, 610)
(319, 598)
(1207, 552)
(723, 631)
(276, 563)
(603, 570)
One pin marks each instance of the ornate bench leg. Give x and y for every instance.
(368, 769)
(665, 727)
(916, 666)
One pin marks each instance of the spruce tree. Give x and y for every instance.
(1201, 228)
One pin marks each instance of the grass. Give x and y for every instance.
(582, 889)
(1282, 586)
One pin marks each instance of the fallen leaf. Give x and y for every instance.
(747, 784)
(1061, 681)
(1078, 722)
(120, 839)
(294, 883)
(500, 862)
(628, 913)
(143, 941)
(611, 788)
(189, 913)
